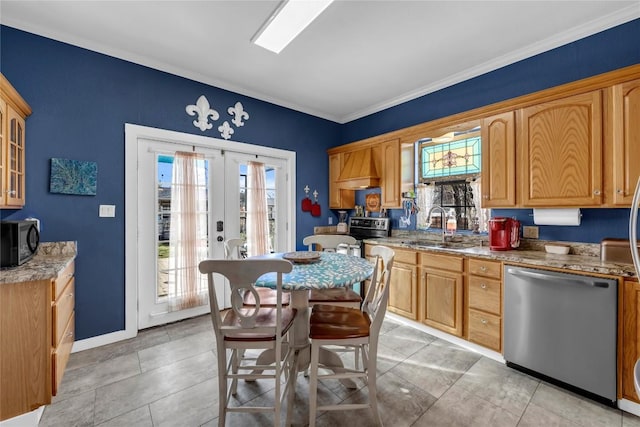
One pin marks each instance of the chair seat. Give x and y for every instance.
(268, 298)
(320, 296)
(329, 322)
(266, 318)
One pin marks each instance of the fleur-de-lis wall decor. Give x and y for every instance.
(238, 114)
(204, 111)
(225, 130)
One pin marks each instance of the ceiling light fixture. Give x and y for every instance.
(287, 21)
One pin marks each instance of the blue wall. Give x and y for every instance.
(81, 101)
(599, 53)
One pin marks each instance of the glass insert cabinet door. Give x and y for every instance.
(14, 187)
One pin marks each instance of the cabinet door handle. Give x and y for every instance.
(70, 295)
(619, 191)
(70, 334)
(483, 321)
(483, 285)
(596, 192)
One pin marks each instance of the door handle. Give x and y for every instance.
(220, 239)
(550, 278)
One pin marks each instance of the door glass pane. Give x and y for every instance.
(270, 179)
(164, 270)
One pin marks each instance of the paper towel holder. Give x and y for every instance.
(557, 216)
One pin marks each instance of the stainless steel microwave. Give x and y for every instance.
(19, 242)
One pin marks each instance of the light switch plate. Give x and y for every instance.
(530, 232)
(107, 211)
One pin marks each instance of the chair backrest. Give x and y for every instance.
(375, 302)
(232, 248)
(329, 242)
(242, 275)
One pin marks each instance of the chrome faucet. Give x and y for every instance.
(443, 221)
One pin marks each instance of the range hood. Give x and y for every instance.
(359, 171)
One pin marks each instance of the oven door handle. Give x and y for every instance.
(551, 278)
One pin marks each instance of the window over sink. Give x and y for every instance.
(449, 175)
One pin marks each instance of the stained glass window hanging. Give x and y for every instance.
(458, 159)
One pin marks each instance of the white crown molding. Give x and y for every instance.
(576, 33)
(605, 22)
(83, 43)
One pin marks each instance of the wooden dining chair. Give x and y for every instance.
(345, 297)
(345, 326)
(232, 250)
(242, 328)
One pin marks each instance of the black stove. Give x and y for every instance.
(369, 228)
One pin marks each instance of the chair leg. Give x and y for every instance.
(222, 387)
(373, 391)
(313, 383)
(236, 356)
(293, 377)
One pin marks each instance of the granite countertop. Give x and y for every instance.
(536, 258)
(49, 261)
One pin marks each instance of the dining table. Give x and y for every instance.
(313, 270)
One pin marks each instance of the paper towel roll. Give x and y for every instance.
(556, 216)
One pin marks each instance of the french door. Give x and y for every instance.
(226, 190)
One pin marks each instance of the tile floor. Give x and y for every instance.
(167, 377)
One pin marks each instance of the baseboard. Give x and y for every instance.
(629, 406)
(30, 419)
(101, 340)
(448, 337)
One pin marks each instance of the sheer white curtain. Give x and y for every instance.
(257, 210)
(188, 233)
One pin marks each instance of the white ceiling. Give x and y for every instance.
(357, 58)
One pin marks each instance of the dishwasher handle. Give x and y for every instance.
(541, 276)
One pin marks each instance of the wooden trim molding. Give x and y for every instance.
(13, 97)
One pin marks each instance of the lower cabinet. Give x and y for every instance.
(403, 286)
(484, 303)
(441, 290)
(630, 338)
(36, 336)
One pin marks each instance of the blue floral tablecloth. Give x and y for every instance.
(334, 270)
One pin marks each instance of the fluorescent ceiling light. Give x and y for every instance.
(287, 21)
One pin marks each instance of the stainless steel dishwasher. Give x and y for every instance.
(562, 326)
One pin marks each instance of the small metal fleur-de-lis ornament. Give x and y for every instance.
(238, 114)
(226, 130)
(204, 111)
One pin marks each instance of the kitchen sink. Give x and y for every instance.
(435, 245)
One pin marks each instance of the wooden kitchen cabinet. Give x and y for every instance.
(484, 303)
(339, 198)
(560, 144)
(13, 112)
(625, 111)
(403, 285)
(630, 338)
(498, 160)
(441, 292)
(36, 336)
(390, 175)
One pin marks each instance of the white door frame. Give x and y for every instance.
(134, 133)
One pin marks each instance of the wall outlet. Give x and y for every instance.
(530, 232)
(330, 220)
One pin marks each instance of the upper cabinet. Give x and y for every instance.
(390, 174)
(625, 114)
(13, 111)
(561, 152)
(339, 198)
(498, 160)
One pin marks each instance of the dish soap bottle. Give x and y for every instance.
(452, 223)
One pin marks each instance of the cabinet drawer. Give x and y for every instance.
(442, 262)
(60, 355)
(481, 267)
(61, 312)
(485, 294)
(407, 257)
(61, 281)
(484, 329)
